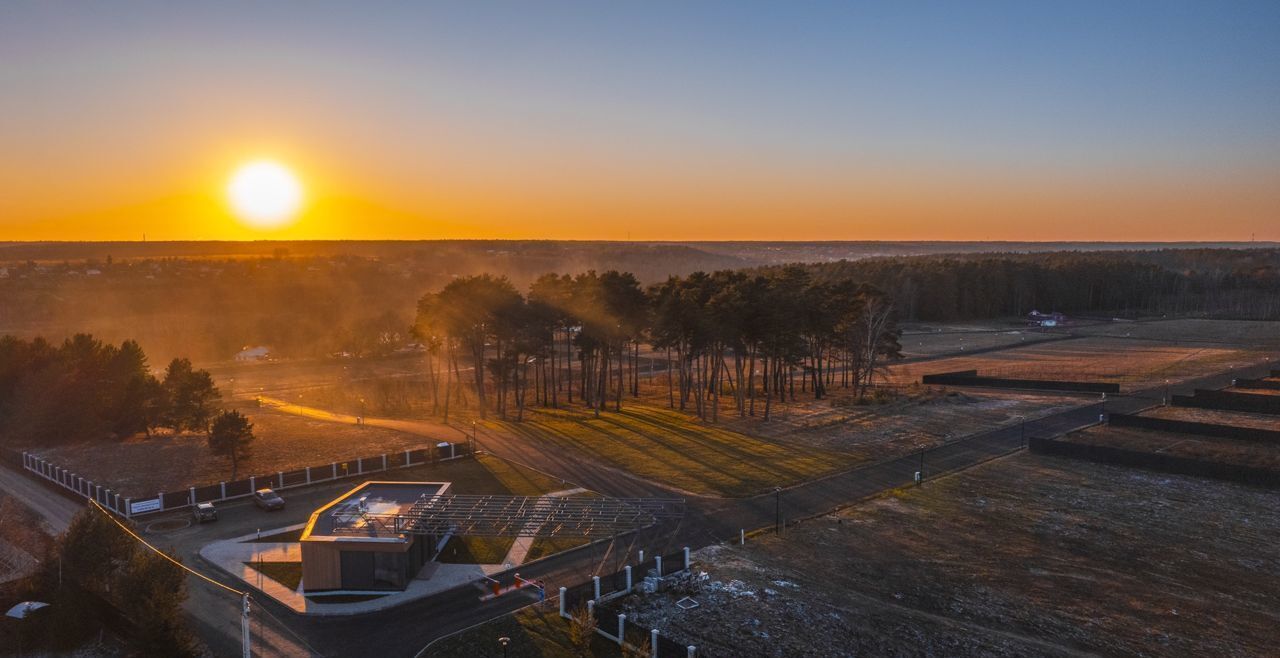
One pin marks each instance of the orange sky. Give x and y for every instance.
(409, 123)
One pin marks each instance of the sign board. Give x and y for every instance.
(142, 506)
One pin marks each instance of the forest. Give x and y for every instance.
(1239, 284)
(745, 335)
(85, 389)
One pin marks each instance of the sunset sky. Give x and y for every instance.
(1154, 120)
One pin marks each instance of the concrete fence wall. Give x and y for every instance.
(971, 378)
(136, 506)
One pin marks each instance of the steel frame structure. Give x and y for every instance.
(511, 516)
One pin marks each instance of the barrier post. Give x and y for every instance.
(161, 497)
(627, 569)
(742, 537)
(408, 461)
(658, 560)
(128, 508)
(334, 466)
(622, 624)
(280, 474)
(252, 486)
(692, 650)
(453, 450)
(562, 594)
(686, 558)
(308, 475)
(359, 465)
(224, 491)
(595, 585)
(384, 461)
(192, 494)
(653, 643)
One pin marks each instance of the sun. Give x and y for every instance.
(265, 194)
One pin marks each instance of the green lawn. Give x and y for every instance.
(535, 633)
(672, 447)
(288, 574)
(544, 546)
(475, 550)
(483, 475)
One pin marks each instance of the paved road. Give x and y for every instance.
(55, 510)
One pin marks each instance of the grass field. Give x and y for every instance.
(475, 550)
(535, 632)
(666, 445)
(288, 574)
(1027, 555)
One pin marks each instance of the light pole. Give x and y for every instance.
(504, 641)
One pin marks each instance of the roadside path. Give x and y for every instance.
(54, 509)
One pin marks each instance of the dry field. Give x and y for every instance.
(1227, 451)
(1243, 333)
(1134, 364)
(922, 418)
(143, 466)
(947, 339)
(1216, 417)
(1022, 556)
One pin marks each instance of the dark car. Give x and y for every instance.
(268, 499)
(204, 512)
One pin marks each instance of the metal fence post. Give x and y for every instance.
(627, 569)
(453, 450)
(562, 597)
(686, 557)
(128, 508)
(252, 485)
(224, 491)
(622, 625)
(384, 461)
(658, 560)
(408, 458)
(192, 493)
(308, 475)
(334, 467)
(653, 643)
(359, 465)
(280, 474)
(595, 584)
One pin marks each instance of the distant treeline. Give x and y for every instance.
(84, 389)
(1203, 282)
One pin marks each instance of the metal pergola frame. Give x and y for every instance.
(512, 516)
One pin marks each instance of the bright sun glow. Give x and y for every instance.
(265, 194)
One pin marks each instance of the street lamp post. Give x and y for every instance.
(504, 641)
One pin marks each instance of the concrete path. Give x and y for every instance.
(520, 548)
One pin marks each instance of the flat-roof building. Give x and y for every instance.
(345, 546)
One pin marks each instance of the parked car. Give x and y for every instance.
(205, 512)
(268, 499)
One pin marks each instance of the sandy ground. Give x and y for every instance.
(1227, 451)
(1027, 555)
(1216, 417)
(1132, 363)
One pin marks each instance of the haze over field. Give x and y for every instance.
(655, 121)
